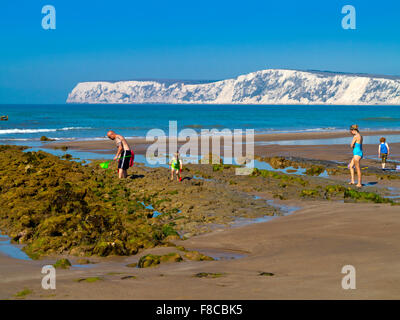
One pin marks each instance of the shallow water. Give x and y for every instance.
(395, 193)
(330, 141)
(298, 171)
(87, 266)
(150, 207)
(220, 254)
(15, 251)
(390, 160)
(201, 178)
(12, 250)
(76, 155)
(261, 165)
(76, 121)
(139, 158)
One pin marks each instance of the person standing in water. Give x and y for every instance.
(176, 166)
(356, 144)
(124, 154)
(383, 151)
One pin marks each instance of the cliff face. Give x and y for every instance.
(262, 87)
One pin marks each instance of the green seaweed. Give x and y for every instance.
(148, 261)
(44, 138)
(309, 193)
(132, 265)
(89, 279)
(279, 176)
(197, 256)
(64, 207)
(266, 274)
(151, 260)
(62, 263)
(352, 194)
(171, 257)
(315, 170)
(23, 293)
(209, 275)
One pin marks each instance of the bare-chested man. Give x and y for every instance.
(124, 154)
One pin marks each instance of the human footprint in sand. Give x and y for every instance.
(176, 166)
(124, 154)
(356, 144)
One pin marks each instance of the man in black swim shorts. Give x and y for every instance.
(124, 154)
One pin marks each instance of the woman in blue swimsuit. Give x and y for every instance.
(356, 144)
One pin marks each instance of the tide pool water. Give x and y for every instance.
(11, 250)
(28, 123)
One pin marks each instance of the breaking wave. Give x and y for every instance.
(21, 131)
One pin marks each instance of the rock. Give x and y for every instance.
(209, 275)
(149, 260)
(29, 169)
(83, 261)
(132, 265)
(62, 263)
(197, 256)
(172, 237)
(66, 156)
(44, 138)
(90, 279)
(278, 163)
(315, 170)
(266, 274)
(63, 209)
(171, 257)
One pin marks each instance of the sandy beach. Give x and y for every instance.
(305, 251)
(295, 256)
(329, 152)
(192, 151)
(140, 144)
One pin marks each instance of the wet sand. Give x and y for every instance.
(331, 152)
(339, 152)
(305, 251)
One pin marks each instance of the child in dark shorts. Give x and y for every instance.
(383, 151)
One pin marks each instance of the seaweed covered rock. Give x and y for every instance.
(59, 207)
(62, 263)
(149, 260)
(171, 257)
(84, 261)
(44, 138)
(279, 162)
(315, 170)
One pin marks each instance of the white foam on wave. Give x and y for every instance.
(294, 130)
(22, 131)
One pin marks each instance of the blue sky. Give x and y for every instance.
(128, 39)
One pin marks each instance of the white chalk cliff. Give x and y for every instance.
(272, 86)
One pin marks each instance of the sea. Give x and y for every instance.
(27, 123)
